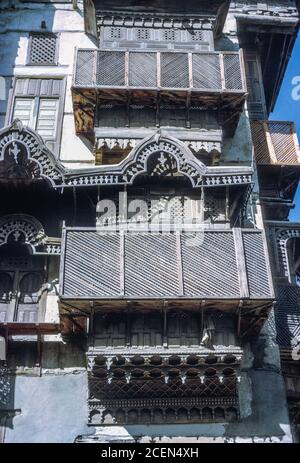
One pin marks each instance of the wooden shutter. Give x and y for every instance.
(24, 111)
(47, 120)
(38, 103)
(256, 99)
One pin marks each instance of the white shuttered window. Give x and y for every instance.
(40, 114)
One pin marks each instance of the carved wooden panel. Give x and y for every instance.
(110, 331)
(155, 38)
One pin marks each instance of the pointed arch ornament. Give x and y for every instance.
(30, 231)
(24, 155)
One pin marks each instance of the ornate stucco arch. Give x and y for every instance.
(170, 156)
(25, 155)
(30, 229)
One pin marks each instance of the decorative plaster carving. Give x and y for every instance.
(32, 231)
(155, 156)
(24, 155)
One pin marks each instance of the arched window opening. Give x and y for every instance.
(293, 252)
(21, 280)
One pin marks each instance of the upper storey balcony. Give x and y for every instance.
(223, 269)
(277, 157)
(209, 80)
(275, 143)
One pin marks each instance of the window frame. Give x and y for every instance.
(29, 49)
(14, 302)
(61, 104)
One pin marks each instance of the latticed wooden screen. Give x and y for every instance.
(85, 65)
(174, 70)
(143, 70)
(232, 72)
(275, 142)
(111, 68)
(206, 71)
(151, 263)
(43, 49)
(283, 141)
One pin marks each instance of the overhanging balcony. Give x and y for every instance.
(197, 79)
(275, 143)
(220, 269)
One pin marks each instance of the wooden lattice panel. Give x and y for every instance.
(143, 70)
(172, 70)
(232, 72)
(282, 137)
(287, 315)
(275, 143)
(111, 69)
(43, 49)
(84, 68)
(160, 265)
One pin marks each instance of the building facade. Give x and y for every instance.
(148, 270)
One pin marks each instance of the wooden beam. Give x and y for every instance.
(241, 262)
(179, 263)
(122, 263)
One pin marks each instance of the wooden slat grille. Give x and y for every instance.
(111, 69)
(85, 266)
(211, 261)
(155, 265)
(283, 142)
(232, 71)
(274, 143)
(174, 71)
(257, 271)
(154, 257)
(142, 70)
(84, 68)
(287, 314)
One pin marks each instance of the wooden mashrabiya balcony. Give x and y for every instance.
(151, 78)
(275, 143)
(214, 269)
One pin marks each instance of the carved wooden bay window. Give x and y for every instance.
(38, 104)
